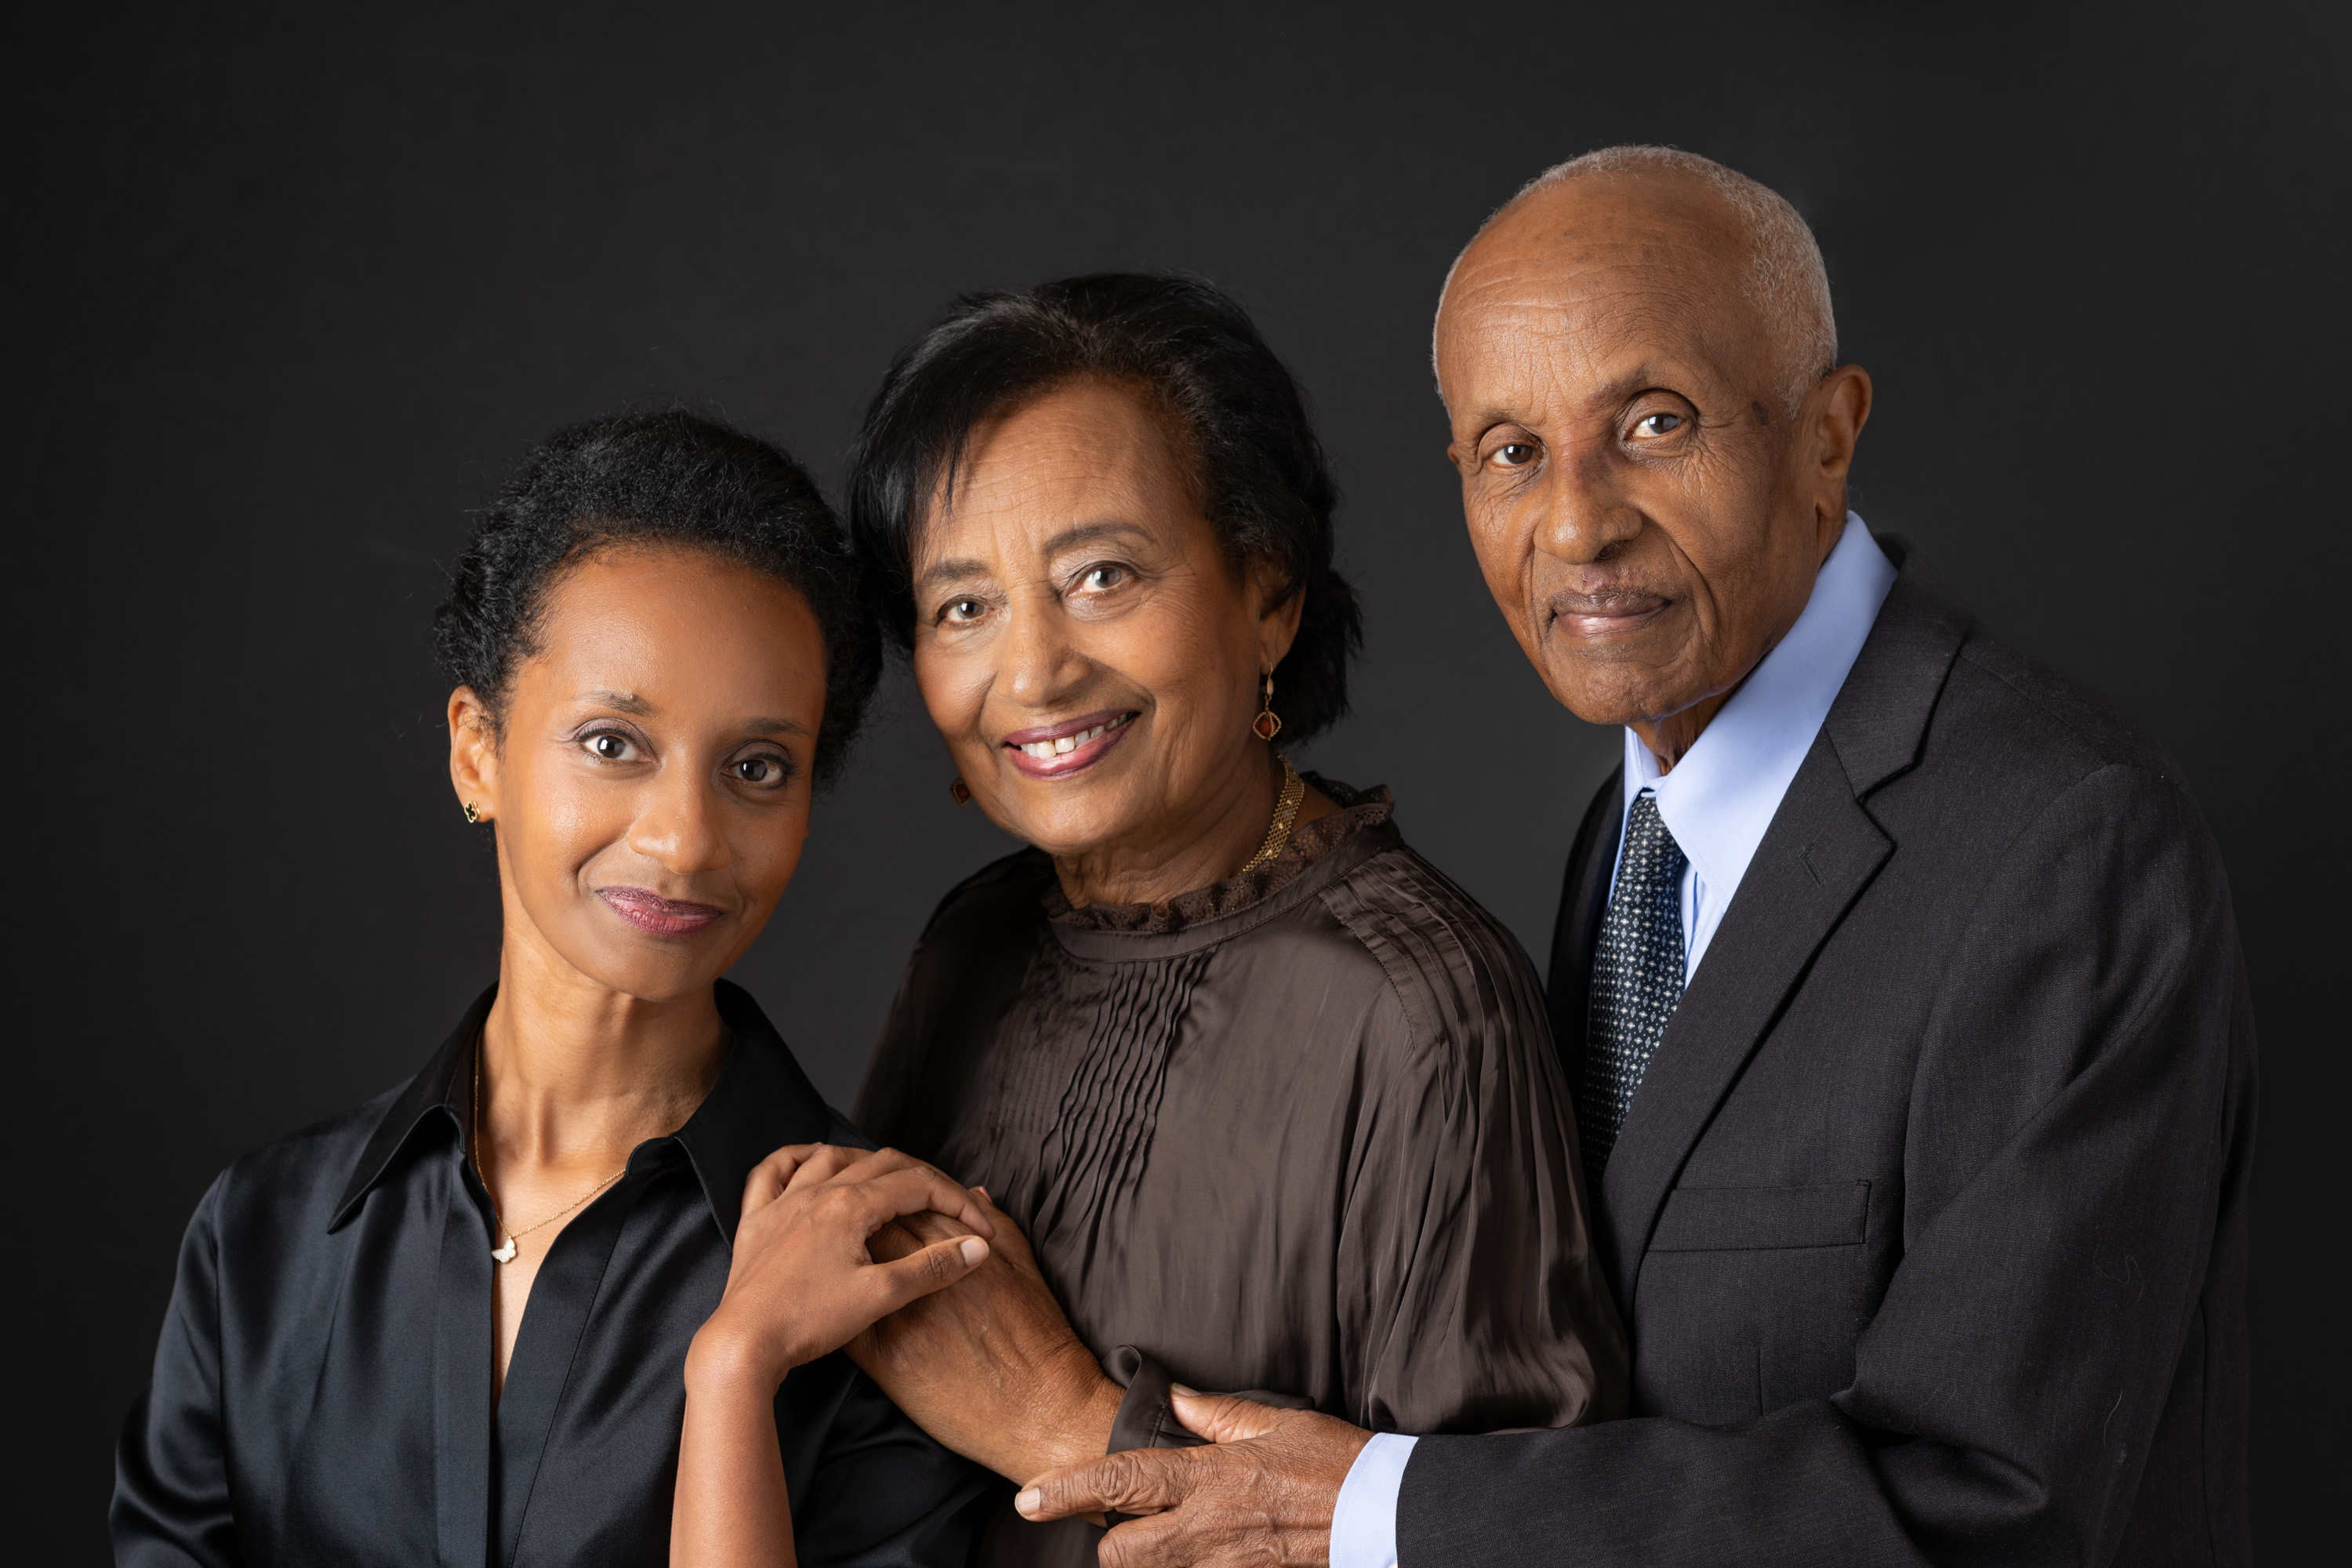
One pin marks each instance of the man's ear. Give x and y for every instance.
(473, 754)
(1834, 415)
(1278, 617)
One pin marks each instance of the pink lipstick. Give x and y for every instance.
(1057, 750)
(657, 916)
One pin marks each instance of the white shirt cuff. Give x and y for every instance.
(1363, 1523)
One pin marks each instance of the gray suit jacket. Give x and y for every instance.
(1930, 1217)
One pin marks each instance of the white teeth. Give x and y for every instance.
(1046, 750)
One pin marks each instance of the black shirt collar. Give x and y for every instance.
(761, 1101)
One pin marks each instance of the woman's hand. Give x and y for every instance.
(803, 1282)
(992, 1368)
(804, 1279)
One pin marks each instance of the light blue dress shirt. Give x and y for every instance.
(1716, 803)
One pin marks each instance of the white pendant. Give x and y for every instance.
(504, 1254)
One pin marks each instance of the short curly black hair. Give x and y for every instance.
(675, 480)
(1258, 471)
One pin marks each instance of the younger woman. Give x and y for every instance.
(451, 1326)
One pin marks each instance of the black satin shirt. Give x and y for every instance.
(322, 1387)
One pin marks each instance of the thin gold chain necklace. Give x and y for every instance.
(1286, 813)
(505, 1251)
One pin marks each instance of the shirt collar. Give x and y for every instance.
(1722, 796)
(761, 1101)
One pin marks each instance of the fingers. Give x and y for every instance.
(1138, 1481)
(769, 1178)
(901, 1195)
(1222, 1417)
(935, 1267)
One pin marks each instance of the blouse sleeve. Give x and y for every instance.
(882, 1495)
(1472, 1299)
(172, 1504)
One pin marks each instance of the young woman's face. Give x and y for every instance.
(1082, 639)
(651, 786)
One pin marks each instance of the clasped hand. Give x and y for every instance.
(804, 1280)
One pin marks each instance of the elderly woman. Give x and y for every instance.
(1275, 1102)
(454, 1324)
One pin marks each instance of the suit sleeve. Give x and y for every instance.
(2082, 1095)
(172, 1504)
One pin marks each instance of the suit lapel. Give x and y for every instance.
(1822, 850)
(1583, 896)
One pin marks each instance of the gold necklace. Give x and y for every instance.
(505, 1253)
(1286, 813)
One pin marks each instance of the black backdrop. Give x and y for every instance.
(289, 289)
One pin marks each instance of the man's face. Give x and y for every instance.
(1647, 516)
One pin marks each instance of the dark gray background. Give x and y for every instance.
(290, 291)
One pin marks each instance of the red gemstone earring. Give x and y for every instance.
(1268, 723)
(959, 791)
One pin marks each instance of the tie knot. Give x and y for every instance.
(1651, 853)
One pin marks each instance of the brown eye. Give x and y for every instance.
(962, 610)
(1515, 454)
(1659, 423)
(610, 747)
(759, 770)
(1102, 579)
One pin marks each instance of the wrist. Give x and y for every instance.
(720, 1361)
(1080, 1428)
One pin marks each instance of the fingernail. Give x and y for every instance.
(973, 1250)
(1027, 1503)
(1187, 1393)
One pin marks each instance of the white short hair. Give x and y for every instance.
(1787, 282)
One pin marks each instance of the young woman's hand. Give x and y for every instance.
(803, 1280)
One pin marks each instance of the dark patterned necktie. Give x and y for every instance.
(1637, 978)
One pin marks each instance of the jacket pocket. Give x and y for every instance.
(1740, 1219)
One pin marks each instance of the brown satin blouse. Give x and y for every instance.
(1302, 1131)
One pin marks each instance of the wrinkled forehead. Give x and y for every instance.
(1573, 293)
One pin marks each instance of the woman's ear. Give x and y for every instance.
(1279, 606)
(473, 755)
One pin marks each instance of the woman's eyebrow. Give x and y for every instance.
(627, 701)
(949, 571)
(1088, 533)
(774, 727)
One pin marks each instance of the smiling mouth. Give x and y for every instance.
(657, 916)
(1598, 615)
(1057, 750)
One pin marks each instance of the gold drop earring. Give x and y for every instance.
(959, 791)
(1268, 723)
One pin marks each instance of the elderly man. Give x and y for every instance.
(1897, 978)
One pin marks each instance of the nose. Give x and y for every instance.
(677, 821)
(1586, 513)
(1040, 666)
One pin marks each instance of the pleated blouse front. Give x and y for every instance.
(1302, 1132)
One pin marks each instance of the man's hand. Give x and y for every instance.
(1263, 1492)
(990, 1368)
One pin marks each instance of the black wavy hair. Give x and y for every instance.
(1259, 473)
(676, 480)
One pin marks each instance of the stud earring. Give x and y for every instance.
(959, 791)
(472, 814)
(1268, 723)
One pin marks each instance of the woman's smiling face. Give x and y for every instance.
(650, 782)
(1084, 641)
